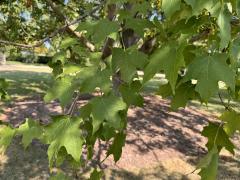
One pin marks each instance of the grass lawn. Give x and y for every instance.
(28, 80)
(26, 83)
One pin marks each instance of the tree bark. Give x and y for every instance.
(2, 58)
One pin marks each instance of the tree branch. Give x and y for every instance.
(69, 28)
(56, 32)
(202, 35)
(73, 105)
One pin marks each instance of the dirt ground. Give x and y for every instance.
(160, 144)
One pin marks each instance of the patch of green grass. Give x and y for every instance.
(35, 83)
(27, 83)
(22, 63)
(14, 63)
(153, 85)
(214, 105)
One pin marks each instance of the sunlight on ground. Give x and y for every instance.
(28, 84)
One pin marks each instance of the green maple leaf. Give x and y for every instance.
(81, 73)
(59, 56)
(62, 90)
(29, 130)
(3, 83)
(141, 7)
(209, 165)
(224, 23)
(199, 6)
(88, 78)
(208, 71)
(116, 146)
(3, 87)
(100, 78)
(232, 120)
(6, 135)
(107, 108)
(168, 58)
(165, 90)
(67, 42)
(96, 175)
(128, 61)
(64, 132)
(70, 69)
(138, 25)
(85, 111)
(184, 93)
(85, 79)
(238, 7)
(217, 137)
(234, 51)
(170, 6)
(130, 93)
(107, 132)
(99, 30)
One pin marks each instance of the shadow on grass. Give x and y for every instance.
(27, 83)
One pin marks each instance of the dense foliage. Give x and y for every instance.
(100, 46)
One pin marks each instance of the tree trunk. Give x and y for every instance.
(2, 58)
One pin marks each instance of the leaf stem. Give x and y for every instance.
(215, 138)
(222, 102)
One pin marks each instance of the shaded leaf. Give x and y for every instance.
(208, 71)
(138, 25)
(107, 108)
(62, 90)
(235, 52)
(130, 94)
(99, 30)
(168, 58)
(59, 176)
(96, 175)
(217, 136)
(232, 120)
(128, 61)
(116, 147)
(224, 23)
(3, 87)
(100, 79)
(199, 6)
(184, 93)
(209, 165)
(59, 56)
(30, 130)
(6, 135)
(68, 42)
(170, 6)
